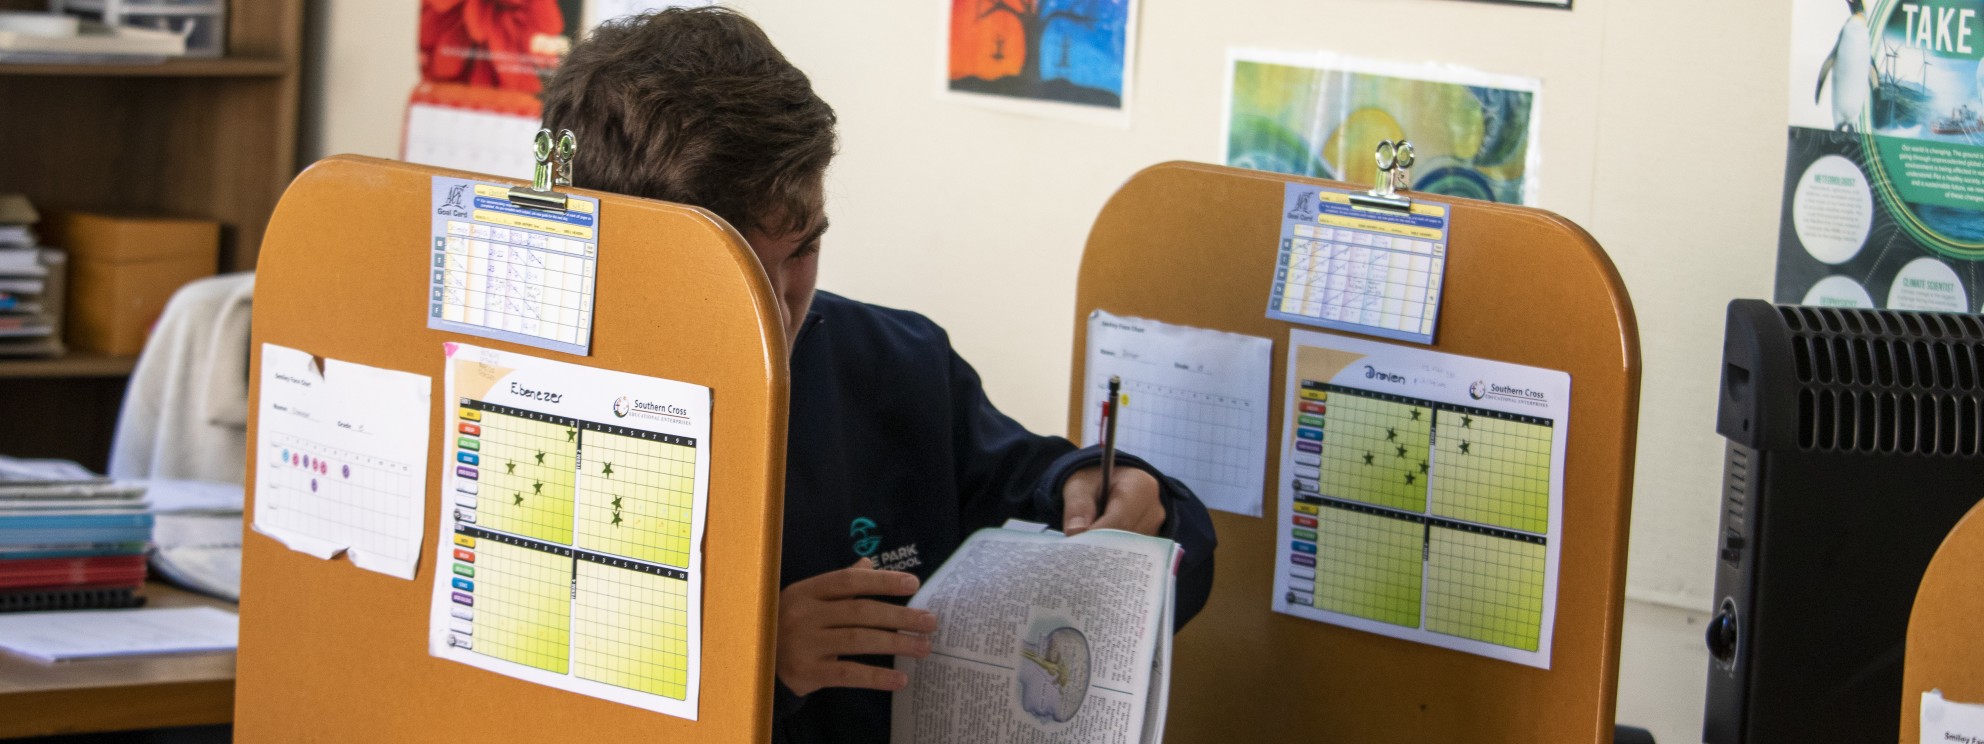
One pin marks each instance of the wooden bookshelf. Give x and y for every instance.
(72, 365)
(207, 138)
(224, 67)
(212, 139)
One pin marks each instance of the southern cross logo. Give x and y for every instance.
(1478, 390)
(620, 407)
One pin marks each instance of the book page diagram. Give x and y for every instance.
(572, 540)
(1194, 403)
(341, 459)
(505, 272)
(1424, 495)
(1359, 269)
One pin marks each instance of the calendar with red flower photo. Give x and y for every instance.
(483, 64)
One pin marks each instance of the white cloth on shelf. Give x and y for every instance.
(185, 414)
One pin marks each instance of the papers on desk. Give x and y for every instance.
(94, 634)
(197, 539)
(20, 469)
(341, 461)
(169, 495)
(1195, 404)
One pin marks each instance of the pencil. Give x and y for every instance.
(1109, 414)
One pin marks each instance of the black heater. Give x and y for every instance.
(1854, 447)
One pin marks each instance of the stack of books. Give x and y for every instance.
(72, 544)
(31, 284)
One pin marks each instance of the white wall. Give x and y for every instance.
(359, 70)
(1662, 133)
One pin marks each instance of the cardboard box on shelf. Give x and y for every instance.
(123, 268)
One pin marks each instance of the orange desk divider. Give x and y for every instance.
(1945, 649)
(1195, 245)
(331, 652)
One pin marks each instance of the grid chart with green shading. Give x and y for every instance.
(637, 492)
(630, 626)
(1374, 446)
(1368, 563)
(521, 603)
(1494, 469)
(1420, 514)
(1485, 584)
(525, 463)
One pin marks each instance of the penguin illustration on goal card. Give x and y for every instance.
(1851, 68)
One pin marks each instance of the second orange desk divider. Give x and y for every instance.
(1195, 245)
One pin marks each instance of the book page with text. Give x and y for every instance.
(1041, 639)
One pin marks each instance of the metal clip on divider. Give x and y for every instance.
(1395, 177)
(554, 168)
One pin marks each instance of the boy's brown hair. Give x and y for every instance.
(695, 106)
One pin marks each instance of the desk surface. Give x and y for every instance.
(119, 694)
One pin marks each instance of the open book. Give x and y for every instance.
(1044, 638)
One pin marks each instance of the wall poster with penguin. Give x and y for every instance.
(1884, 165)
(1474, 134)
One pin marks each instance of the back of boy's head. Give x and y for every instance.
(695, 106)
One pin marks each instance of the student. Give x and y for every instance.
(894, 453)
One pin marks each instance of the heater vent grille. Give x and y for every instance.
(1887, 381)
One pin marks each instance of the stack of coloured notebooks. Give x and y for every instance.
(72, 544)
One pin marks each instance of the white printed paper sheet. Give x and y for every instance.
(1946, 721)
(1194, 404)
(341, 459)
(1422, 495)
(512, 273)
(570, 547)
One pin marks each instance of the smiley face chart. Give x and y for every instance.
(341, 459)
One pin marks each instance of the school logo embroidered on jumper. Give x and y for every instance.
(866, 538)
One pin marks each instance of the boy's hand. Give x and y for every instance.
(1133, 505)
(823, 618)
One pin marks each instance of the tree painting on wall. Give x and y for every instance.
(1067, 51)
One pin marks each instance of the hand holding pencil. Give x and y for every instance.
(1127, 499)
